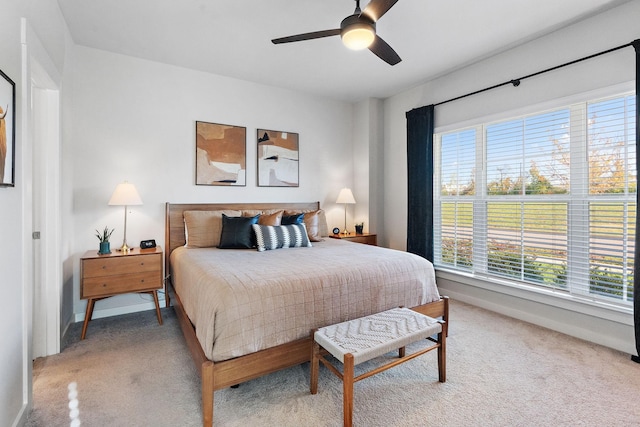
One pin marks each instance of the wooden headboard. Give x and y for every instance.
(174, 219)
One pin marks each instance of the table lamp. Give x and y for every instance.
(346, 197)
(125, 195)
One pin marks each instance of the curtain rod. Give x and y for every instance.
(516, 82)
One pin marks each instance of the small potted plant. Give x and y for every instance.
(359, 228)
(103, 237)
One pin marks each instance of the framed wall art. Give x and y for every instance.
(278, 164)
(7, 131)
(221, 154)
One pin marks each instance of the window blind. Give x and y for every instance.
(546, 199)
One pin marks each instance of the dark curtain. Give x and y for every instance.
(420, 125)
(636, 261)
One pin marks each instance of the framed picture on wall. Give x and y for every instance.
(278, 164)
(7, 131)
(221, 154)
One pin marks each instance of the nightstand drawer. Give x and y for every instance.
(95, 287)
(99, 267)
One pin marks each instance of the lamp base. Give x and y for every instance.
(124, 248)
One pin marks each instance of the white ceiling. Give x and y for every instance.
(233, 37)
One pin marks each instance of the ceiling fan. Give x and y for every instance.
(358, 31)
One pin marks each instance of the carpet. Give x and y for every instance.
(130, 371)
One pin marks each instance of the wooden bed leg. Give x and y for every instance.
(167, 296)
(207, 393)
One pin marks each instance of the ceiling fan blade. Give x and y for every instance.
(376, 8)
(384, 51)
(307, 36)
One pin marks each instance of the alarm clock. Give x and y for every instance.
(336, 230)
(147, 244)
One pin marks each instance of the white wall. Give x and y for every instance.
(46, 21)
(607, 30)
(132, 119)
(368, 166)
(13, 325)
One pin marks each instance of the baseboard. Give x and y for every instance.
(21, 418)
(579, 325)
(117, 311)
(66, 325)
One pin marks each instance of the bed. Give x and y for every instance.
(246, 313)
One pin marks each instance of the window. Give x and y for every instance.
(547, 199)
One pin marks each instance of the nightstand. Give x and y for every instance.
(103, 276)
(366, 238)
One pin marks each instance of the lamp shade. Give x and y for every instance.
(125, 194)
(346, 196)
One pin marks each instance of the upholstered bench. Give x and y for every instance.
(363, 339)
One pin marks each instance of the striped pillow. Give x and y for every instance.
(280, 236)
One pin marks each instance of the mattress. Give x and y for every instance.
(241, 301)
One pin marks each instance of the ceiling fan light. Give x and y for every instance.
(358, 36)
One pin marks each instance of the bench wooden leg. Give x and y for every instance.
(315, 362)
(401, 352)
(347, 385)
(442, 356)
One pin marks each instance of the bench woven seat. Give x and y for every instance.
(375, 335)
(359, 340)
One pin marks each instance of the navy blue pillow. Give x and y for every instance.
(292, 219)
(237, 232)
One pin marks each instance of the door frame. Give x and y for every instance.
(41, 162)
